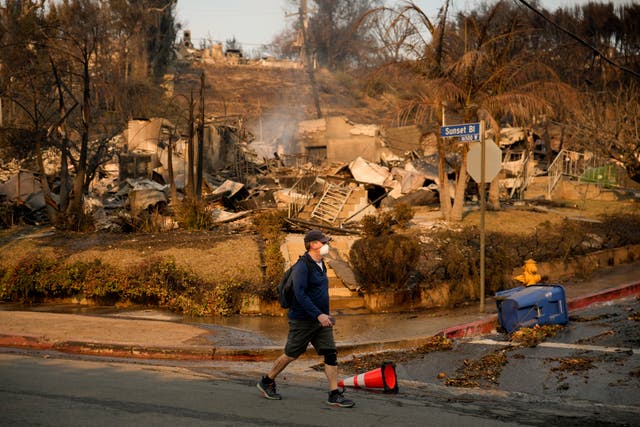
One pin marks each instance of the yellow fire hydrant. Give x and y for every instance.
(529, 274)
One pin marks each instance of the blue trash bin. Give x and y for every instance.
(502, 295)
(540, 304)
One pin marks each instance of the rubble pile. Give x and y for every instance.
(340, 172)
(323, 186)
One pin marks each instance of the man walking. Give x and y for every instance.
(309, 321)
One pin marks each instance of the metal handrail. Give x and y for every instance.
(554, 172)
(521, 183)
(575, 164)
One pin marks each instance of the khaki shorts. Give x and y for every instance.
(303, 332)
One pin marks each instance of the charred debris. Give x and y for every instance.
(329, 174)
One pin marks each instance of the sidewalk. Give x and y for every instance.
(157, 335)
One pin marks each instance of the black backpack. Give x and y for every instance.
(285, 287)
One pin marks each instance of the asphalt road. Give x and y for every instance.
(589, 371)
(35, 390)
(586, 375)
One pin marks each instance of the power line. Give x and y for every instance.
(580, 40)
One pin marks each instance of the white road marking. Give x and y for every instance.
(561, 345)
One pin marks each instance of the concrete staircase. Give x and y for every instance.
(568, 189)
(537, 188)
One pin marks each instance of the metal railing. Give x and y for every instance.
(299, 195)
(523, 178)
(585, 167)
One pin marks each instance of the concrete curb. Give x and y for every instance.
(465, 330)
(488, 325)
(618, 292)
(471, 329)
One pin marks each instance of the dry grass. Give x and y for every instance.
(524, 219)
(206, 254)
(214, 254)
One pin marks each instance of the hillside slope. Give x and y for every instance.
(272, 100)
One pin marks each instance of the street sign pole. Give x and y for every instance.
(482, 211)
(477, 168)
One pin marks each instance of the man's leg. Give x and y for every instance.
(336, 397)
(297, 342)
(281, 363)
(267, 385)
(332, 376)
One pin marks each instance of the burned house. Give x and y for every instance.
(145, 154)
(338, 140)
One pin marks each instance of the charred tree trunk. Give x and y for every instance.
(172, 180)
(65, 188)
(198, 191)
(190, 152)
(444, 195)
(461, 185)
(79, 186)
(50, 204)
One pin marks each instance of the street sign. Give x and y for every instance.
(464, 132)
(492, 161)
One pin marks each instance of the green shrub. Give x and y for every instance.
(224, 299)
(28, 282)
(383, 222)
(103, 283)
(269, 226)
(156, 282)
(402, 214)
(377, 225)
(384, 262)
(454, 256)
(194, 215)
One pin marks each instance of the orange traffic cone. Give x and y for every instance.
(383, 377)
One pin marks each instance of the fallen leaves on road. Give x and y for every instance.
(573, 364)
(531, 337)
(480, 373)
(368, 362)
(595, 338)
(634, 316)
(435, 343)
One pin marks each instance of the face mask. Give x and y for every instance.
(324, 250)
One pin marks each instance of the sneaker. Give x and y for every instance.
(336, 398)
(268, 389)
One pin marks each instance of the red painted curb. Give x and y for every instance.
(465, 330)
(485, 326)
(19, 341)
(606, 295)
(479, 327)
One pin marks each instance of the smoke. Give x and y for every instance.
(276, 130)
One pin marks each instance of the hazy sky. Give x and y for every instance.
(255, 22)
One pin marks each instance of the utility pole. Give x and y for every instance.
(307, 57)
(198, 192)
(190, 151)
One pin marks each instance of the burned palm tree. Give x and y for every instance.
(478, 67)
